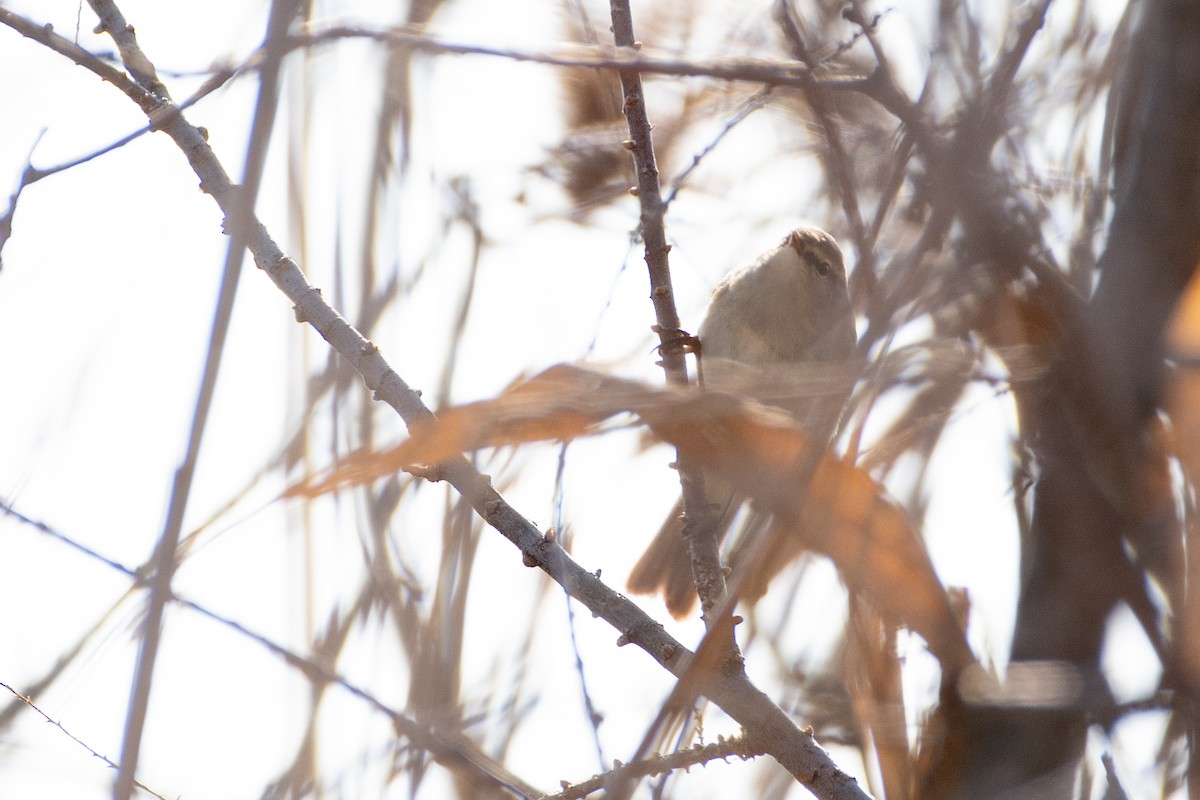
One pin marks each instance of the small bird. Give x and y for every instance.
(767, 325)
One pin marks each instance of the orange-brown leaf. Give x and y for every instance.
(758, 450)
(878, 552)
(557, 405)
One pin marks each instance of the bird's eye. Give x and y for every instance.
(823, 268)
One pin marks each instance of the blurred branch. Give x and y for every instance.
(449, 747)
(1103, 500)
(597, 57)
(764, 71)
(836, 158)
(140, 67)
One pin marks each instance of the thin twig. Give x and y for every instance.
(757, 101)
(29, 702)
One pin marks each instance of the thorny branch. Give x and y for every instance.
(112, 765)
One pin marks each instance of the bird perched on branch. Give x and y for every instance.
(774, 331)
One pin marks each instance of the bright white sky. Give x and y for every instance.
(106, 298)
